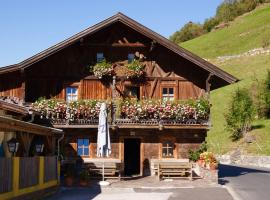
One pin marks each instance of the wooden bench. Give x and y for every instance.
(111, 170)
(174, 170)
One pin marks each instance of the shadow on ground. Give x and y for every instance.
(226, 171)
(77, 193)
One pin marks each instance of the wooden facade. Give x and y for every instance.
(167, 65)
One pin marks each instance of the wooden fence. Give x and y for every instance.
(5, 175)
(29, 171)
(23, 175)
(50, 168)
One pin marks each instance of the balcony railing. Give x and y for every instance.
(146, 113)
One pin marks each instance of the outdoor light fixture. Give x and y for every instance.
(13, 145)
(39, 146)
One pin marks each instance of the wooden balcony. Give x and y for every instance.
(149, 114)
(137, 124)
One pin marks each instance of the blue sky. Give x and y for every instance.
(30, 26)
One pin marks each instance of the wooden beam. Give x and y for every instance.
(7, 123)
(153, 86)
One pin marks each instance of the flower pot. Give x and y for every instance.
(83, 183)
(213, 166)
(69, 181)
(201, 163)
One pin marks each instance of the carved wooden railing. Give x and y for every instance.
(143, 122)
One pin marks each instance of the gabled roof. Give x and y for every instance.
(135, 26)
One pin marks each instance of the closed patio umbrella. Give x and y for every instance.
(103, 139)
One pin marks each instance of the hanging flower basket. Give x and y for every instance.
(102, 69)
(134, 69)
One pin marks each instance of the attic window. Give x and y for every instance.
(100, 57)
(130, 57)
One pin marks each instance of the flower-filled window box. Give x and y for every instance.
(134, 69)
(102, 69)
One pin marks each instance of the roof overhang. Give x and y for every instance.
(10, 124)
(13, 108)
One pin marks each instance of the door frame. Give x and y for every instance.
(122, 151)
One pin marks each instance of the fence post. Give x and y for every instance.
(58, 171)
(15, 174)
(41, 171)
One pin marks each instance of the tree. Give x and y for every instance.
(189, 31)
(241, 113)
(227, 11)
(210, 23)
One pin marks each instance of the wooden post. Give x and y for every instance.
(16, 174)
(41, 171)
(113, 100)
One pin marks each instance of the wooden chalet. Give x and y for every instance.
(170, 73)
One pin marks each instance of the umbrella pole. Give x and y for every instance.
(103, 171)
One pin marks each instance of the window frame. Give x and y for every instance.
(127, 90)
(83, 147)
(66, 93)
(174, 147)
(129, 58)
(168, 96)
(101, 58)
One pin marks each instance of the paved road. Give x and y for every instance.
(216, 193)
(246, 182)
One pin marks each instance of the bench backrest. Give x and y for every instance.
(175, 165)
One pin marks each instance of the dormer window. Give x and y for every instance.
(100, 57)
(71, 94)
(130, 57)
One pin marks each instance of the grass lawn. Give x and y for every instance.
(246, 69)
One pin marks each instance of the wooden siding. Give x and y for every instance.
(5, 175)
(94, 89)
(29, 172)
(11, 85)
(50, 168)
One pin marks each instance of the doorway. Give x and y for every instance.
(132, 156)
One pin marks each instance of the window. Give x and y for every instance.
(83, 147)
(71, 94)
(100, 57)
(167, 149)
(168, 94)
(132, 92)
(130, 57)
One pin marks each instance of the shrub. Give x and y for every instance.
(195, 155)
(240, 114)
(210, 23)
(189, 31)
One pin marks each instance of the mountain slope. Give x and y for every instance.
(245, 33)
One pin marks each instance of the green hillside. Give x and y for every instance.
(245, 33)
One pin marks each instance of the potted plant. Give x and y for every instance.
(84, 177)
(102, 69)
(69, 175)
(213, 165)
(134, 69)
